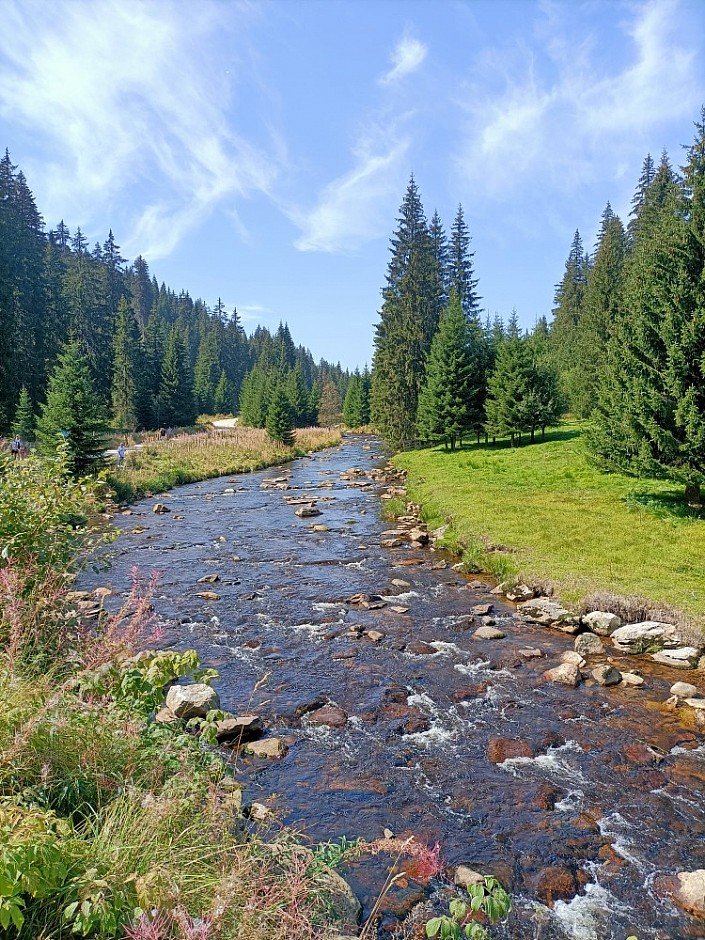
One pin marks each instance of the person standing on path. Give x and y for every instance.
(16, 447)
(121, 451)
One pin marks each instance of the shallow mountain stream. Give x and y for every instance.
(577, 799)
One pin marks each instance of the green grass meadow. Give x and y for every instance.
(556, 518)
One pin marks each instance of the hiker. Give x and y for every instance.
(121, 451)
(162, 432)
(16, 447)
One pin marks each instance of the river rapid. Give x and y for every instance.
(577, 799)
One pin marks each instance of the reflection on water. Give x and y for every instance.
(575, 801)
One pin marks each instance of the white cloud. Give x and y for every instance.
(355, 207)
(408, 55)
(559, 130)
(126, 94)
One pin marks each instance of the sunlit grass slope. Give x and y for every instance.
(189, 458)
(563, 520)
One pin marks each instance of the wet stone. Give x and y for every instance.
(565, 674)
(684, 690)
(330, 715)
(606, 675)
(419, 648)
(501, 749)
(587, 644)
(488, 633)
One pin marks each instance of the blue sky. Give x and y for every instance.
(259, 151)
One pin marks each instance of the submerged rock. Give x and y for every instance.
(330, 715)
(501, 749)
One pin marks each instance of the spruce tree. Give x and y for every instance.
(254, 398)
(460, 268)
(224, 397)
(73, 415)
(330, 406)
(126, 351)
(451, 400)
(206, 372)
(280, 426)
(176, 402)
(24, 423)
(297, 393)
(354, 404)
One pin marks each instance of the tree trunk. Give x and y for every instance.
(692, 495)
(532, 435)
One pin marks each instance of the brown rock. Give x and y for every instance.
(464, 876)
(482, 610)
(208, 595)
(160, 508)
(488, 633)
(209, 579)
(419, 648)
(565, 674)
(239, 730)
(687, 889)
(501, 749)
(269, 747)
(331, 715)
(553, 883)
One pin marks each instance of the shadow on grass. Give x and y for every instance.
(670, 504)
(469, 447)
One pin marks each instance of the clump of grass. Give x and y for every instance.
(188, 458)
(393, 508)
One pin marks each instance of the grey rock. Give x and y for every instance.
(488, 633)
(565, 674)
(685, 657)
(684, 690)
(606, 675)
(544, 611)
(587, 644)
(192, 701)
(601, 622)
(635, 638)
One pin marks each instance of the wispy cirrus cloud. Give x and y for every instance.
(355, 207)
(408, 55)
(126, 96)
(556, 110)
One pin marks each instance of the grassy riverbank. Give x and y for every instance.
(543, 512)
(189, 458)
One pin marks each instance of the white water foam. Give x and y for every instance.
(315, 631)
(616, 828)
(555, 762)
(449, 649)
(572, 802)
(587, 916)
(404, 596)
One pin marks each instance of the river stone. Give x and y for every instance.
(698, 703)
(631, 678)
(420, 536)
(464, 876)
(519, 592)
(192, 701)
(573, 656)
(160, 508)
(305, 512)
(501, 749)
(481, 610)
(238, 730)
(637, 638)
(606, 675)
(374, 635)
(399, 582)
(530, 652)
(488, 633)
(687, 889)
(685, 657)
(601, 622)
(565, 674)
(269, 747)
(331, 715)
(549, 613)
(684, 690)
(419, 648)
(587, 644)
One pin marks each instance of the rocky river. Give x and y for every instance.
(358, 650)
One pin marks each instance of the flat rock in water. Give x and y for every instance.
(399, 582)
(601, 622)
(687, 889)
(685, 657)
(631, 678)
(488, 633)
(208, 595)
(419, 648)
(530, 653)
(501, 749)
(209, 579)
(305, 512)
(268, 747)
(636, 638)
(374, 635)
(698, 703)
(573, 656)
(565, 674)
(481, 610)
(549, 613)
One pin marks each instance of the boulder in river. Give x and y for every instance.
(488, 633)
(464, 876)
(305, 512)
(239, 730)
(684, 690)
(565, 674)
(697, 703)
(419, 648)
(518, 592)
(501, 749)
(606, 675)
(330, 715)
(192, 701)
(587, 644)
(687, 889)
(631, 678)
(268, 747)
(573, 656)
(602, 622)
(647, 636)
(160, 508)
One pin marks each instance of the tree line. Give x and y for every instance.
(152, 357)
(625, 347)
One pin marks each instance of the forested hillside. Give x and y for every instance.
(155, 357)
(625, 347)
